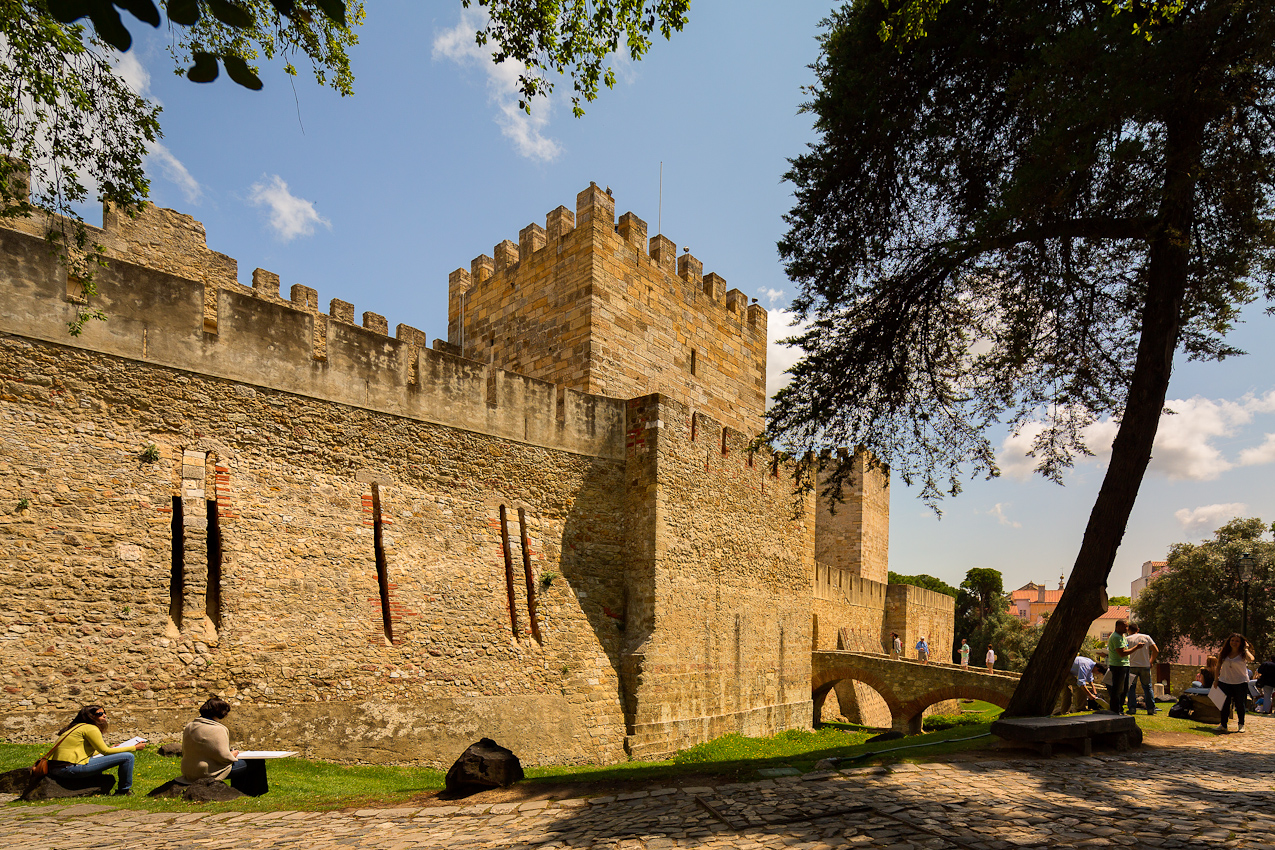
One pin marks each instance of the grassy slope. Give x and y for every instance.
(299, 784)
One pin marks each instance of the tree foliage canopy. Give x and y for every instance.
(972, 229)
(1199, 596)
(929, 582)
(1015, 220)
(575, 37)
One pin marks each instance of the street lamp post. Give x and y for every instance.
(1247, 562)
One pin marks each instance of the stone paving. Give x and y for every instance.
(1212, 794)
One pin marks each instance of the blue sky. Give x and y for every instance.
(375, 198)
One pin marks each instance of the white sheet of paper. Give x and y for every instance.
(266, 754)
(1216, 695)
(132, 742)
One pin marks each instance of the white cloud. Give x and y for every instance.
(525, 131)
(770, 296)
(1258, 455)
(998, 511)
(290, 216)
(1186, 444)
(134, 74)
(175, 172)
(1209, 517)
(779, 358)
(158, 157)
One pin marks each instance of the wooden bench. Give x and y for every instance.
(1118, 730)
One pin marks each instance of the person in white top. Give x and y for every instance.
(1232, 678)
(1145, 653)
(991, 658)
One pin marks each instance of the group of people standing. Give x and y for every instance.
(1130, 656)
(923, 651)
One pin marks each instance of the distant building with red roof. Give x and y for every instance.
(1188, 653)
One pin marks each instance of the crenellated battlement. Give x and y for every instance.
(183, 308)
(596, 304)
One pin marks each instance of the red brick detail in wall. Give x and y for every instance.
(397, 612)
(221, 481)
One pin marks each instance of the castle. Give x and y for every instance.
(552, 529)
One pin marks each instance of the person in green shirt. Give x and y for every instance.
(81, 751)
(1118, 652)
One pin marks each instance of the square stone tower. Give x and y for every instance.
(594, 305)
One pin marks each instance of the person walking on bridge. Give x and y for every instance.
(965, 652)
(923, 650)
(991, 658)
(896, 644)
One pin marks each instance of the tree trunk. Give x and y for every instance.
(1085, 597)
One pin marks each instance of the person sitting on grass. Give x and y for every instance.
(206, 752)
(81, 751)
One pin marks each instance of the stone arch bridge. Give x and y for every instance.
(908, 687)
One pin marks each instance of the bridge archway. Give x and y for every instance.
(864, 702)
(907, 687)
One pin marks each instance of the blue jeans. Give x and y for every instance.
(1143, 673)
(100, 764)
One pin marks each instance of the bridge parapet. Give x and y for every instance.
(908, 687)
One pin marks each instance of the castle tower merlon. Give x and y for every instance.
(481, 268)
(736, 302)
(757, 317)
(633, 231)
(341, 311)
(410, 335)
(458, 283)
(595, 207)
(265, 284)
(690, 270)
(735, 442)
(304, 298)
(664, 252)
(15, 180)
(376, 323)
(530, 240)
(714, 286)
(506, 255)
(559, 222)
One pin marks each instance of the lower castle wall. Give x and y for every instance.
(723, 644)
(86, 566)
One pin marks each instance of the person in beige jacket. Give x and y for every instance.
(206, 752)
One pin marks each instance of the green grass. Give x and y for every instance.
(300, 784)
(295, 784)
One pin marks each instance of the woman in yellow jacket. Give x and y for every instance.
(83, 752)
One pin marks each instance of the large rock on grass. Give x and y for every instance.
(483, 765)
(62, 787)
(170, 748)
(15, 781)
(199, 791)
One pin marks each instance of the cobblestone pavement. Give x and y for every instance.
(1213, 794)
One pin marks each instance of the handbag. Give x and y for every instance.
(40, 769)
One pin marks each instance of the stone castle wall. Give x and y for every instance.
(192, 495)
(223, 490)
(853, 533)
(718, 632)
(596, 306)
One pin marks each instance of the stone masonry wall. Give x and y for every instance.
(297, 641)
(853, 534)
(717, 635)
(914, 612)
(296, 427)
(589, 304)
